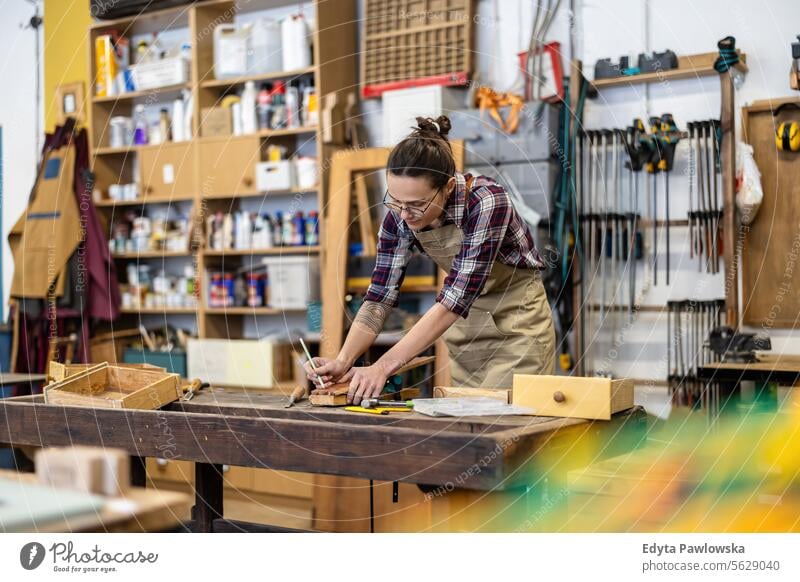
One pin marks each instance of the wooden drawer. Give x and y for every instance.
(166, 470)
(227, 165)
(572, 397)
(237, 477)
(168, 171)
(286, 483)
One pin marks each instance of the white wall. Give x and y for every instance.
(18, 118)
(610, 28)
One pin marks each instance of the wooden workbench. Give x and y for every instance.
(778, 369)
(219, 427)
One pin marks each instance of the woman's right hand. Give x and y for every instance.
(331, 371)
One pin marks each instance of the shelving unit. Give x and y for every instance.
(332, 71)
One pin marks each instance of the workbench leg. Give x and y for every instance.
(138, 471)
(207, 495)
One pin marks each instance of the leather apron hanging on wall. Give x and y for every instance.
(48, 232)
(509, 329)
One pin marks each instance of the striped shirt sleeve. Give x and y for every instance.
(393, 254)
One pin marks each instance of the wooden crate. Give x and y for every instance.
(111, 386)
(421, 40)
(571, 396)
(59, 371)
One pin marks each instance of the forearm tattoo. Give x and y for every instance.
(372, 316)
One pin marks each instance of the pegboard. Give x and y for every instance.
(415, 42)
(771, 245)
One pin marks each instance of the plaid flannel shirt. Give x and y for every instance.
(493, 231)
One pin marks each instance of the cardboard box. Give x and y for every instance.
(216, 121)
(250, 363)
(87, 469)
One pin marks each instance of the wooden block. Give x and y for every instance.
(77, 468)
(571, 396)
(336, 395)
(116, 471)
(501, 394)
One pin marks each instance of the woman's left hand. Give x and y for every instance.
(367, 382)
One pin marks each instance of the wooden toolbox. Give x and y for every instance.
(109, 386)
(571, 396)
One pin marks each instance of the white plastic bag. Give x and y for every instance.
(749, 192)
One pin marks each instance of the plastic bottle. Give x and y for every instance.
(310, 107)
(188, 103)
(255, 297)
(229, 285)
(299, 229)
(264, 107)
(139, 126)
(164, 125)
(287, 234)
(312, 228)
(277, 230)
(292, 106)
(278, 117)
(177, 121)
(248, 102)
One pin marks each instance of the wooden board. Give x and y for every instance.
(501, 394)
(366, 227)
(571, 396)
(770, 288)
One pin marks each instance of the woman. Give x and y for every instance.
(491, 310)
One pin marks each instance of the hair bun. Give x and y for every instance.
(440, 126)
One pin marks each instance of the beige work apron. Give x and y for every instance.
(509, 329)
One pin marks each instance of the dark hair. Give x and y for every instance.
(425, 152)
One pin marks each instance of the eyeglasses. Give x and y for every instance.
(415, 211)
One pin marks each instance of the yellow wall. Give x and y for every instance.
(66, 56)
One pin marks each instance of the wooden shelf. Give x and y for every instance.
(151, 254)
(638, 309)
(269, 193)
(141, 201)
(249, 310)
(403, 289)
(263, 133)
(294, 250)
(224, 83)
(288, 131)
(136, 94)
(159, 310)
(689, 67)
(109, 151)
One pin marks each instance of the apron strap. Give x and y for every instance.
(469, 183)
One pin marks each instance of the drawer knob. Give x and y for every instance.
(247, 181)
(558, 396)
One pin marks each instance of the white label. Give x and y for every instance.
(168, 173)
